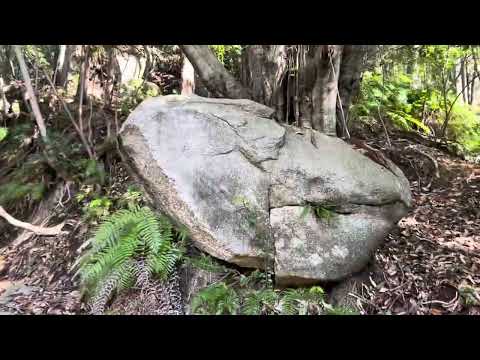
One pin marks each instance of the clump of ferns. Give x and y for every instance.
(224, 299)
(216, 299)
(129, 248)
(324, 211)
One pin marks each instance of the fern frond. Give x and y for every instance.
(218, 299)
(261, 302)
(127, 249)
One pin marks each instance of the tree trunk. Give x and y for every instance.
(113, 74)
(467, 88)
(214, 75)
(30, 93)
(263, 70)
(297, 80)
(318, 87)
(462, 72)
(63, 65)
(82, 89)
(350, 73)
(472, 91)
(188, 77)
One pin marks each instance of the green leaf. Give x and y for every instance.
(3, 133)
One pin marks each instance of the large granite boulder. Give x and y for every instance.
(240, 183)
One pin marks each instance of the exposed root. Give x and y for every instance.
(37, 230)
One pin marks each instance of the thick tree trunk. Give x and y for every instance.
(263, 70)
(214, 75)
(311, 92)
(113, 74)
(350, 72)
(188, 77)
(318, 87)
(82, 88)
(63, 65)
(298, 81)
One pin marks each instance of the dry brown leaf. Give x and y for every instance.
(4, 285)
(436, 312)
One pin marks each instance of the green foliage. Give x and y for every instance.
(133, 93)
(41, 55)
(3, 133)
(256, 279)
(98, 208)
(303, 301)
(229, 56)
(464, 128)
(91, 171)
(394, 99)
(14, 191)
(415, 87)
(469, 295)
(254, 295)
(217, 299)
(130, 199)
(262, 302)
(26, 180)
(325, 211)
(71, 158)
(128, 245)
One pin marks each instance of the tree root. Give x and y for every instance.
(37, 230)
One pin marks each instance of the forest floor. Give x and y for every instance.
(430, 264)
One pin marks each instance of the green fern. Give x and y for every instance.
(261, 302)
(218, 299)
(130, 245)
(303, 301)
(325, 211)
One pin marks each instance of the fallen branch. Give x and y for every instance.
(38, 230)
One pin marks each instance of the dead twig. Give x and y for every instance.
(69, 114)
(38, 230)
(387, 137)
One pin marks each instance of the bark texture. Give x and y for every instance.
(318, 86)
(214, 75)
(63, 64)
(299, 82)
(263, 69)
(188, 77)
(350, 72)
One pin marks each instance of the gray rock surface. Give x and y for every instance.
(239, 181)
